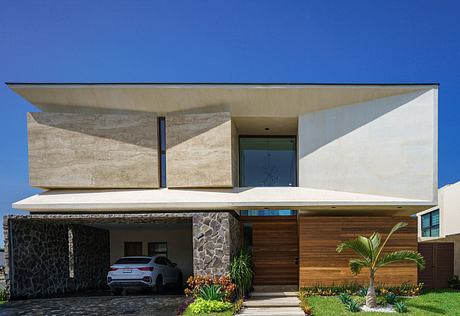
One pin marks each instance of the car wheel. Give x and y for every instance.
(116, 291)
(159, 284)
(180, 280)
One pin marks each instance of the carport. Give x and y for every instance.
(55, 254)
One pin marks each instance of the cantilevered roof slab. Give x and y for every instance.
(218, 199)
(245, 100)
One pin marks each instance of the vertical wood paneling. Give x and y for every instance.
(320, 235)
(275, 249)
(439, 262)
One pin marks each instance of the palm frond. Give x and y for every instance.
(402, 255)
(375, 241)
(357, 264)
(361, 245)
(393, 230)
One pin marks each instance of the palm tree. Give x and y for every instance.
(372, 258)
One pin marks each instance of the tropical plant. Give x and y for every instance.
(202, 306)
(400, 307)
(344, 297)
(195, 283)
(454, 283)
(212, 292)
(371, 257)
(241, 272)
(352, 306)
(390, 298)
(238, 305)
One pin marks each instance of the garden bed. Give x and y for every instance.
(433, 302)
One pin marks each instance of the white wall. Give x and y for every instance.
(449, 212)
(178, 237)
(383, 147)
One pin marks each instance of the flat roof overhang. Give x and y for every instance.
(304, 199)
(241, 99)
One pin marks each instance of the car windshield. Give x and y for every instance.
(133, 260)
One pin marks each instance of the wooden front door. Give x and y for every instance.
(439, 264)
(275, 249)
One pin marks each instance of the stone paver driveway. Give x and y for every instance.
(96, 305)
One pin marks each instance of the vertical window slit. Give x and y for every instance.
(162, 151)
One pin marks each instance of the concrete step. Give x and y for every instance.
(286, 301)
(274, 294)
(272, 311)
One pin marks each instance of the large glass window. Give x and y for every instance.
(268, 161)
(430, 224)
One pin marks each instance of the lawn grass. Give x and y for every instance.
(435, 302)
(229, 312)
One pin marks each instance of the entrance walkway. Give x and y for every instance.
(273, 300)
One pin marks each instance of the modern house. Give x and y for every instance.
(198, 171)
(441, 224)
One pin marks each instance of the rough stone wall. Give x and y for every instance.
(38, 256)
(215, 241)
(91, 257)
(37, 260)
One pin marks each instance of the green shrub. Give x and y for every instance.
(352, 306)
(238, 305)
(345, 298)
(362, 291)
(390, 298)
(211, 292)
(307, 309)
(400, 307)
(241, 272)
(201, 306)
(3, 295)
(454, 283)
(405, 289)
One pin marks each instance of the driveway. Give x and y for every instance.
(102, 304)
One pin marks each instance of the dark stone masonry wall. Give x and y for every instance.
(38, 258)
(91, 257)
(215, 242)
(40, 261)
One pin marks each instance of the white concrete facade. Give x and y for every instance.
(381, 147)
(449, 212)
(361, 147)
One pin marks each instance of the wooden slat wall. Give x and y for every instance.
(321, 264)
(275, 249)
(439, 261)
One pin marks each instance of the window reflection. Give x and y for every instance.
(268, 161)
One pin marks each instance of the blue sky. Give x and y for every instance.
(225, 41)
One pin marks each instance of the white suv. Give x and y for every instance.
(143, 272)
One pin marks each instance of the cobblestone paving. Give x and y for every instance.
(161, 305)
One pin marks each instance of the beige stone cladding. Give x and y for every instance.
(199, 150)
(69, 150)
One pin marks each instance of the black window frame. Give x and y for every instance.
(162, 151)
(429, 229)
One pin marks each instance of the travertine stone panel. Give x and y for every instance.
(199, 150)
(69, 150)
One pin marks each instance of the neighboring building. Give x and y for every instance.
(442, 222)
(197, 171)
